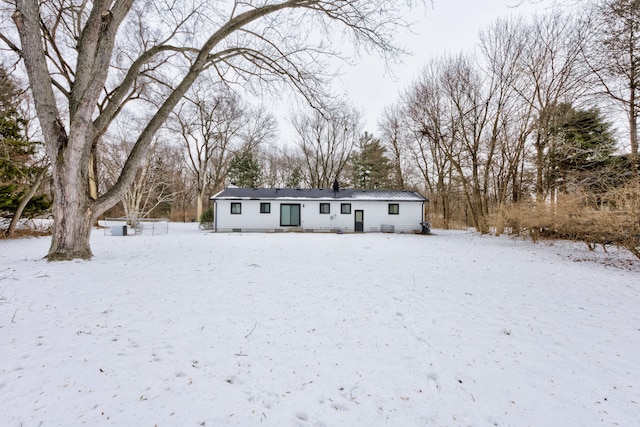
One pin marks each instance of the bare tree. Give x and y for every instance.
(83, 71)
(184, 190)
(392, 136)
(476, 101)
(325, 141)
(431, 136)
(208, 122)
(153, 183)
(552, 74)
(502, 47)
(614, 59)
(215, 124)
(281, 167)
(261, 128)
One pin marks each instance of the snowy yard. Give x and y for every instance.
(199, 329)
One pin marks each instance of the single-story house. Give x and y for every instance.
(322, 210)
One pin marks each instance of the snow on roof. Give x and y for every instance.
(317, 193)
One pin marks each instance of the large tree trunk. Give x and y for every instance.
(199, 205)
(72, 212)
(70, 152)
(71, 232)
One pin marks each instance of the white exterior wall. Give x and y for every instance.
(376, 216)
(249, 220)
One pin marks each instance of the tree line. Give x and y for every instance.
(520, 133)
(523, 117)
(519, 119)
(214, 139)
(95, 66)
(156, 118)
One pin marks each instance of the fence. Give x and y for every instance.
(130, 226)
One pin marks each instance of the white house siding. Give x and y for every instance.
(249, 220)
(376, 216)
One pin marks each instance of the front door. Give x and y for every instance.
(359, 221)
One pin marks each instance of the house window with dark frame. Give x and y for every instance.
(289, 215)
(325, 208)
(394, 209)
(265, 208)
(345, 208)
(236, 208)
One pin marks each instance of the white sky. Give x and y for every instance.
(450, 26)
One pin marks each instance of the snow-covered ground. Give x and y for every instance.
(194, 328)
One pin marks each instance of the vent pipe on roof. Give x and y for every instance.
(336, 186)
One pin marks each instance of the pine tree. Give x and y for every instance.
(582, 155)
(17, 167)
(372, 169)
(294, 179)
(244, 170)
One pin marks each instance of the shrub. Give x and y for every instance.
(612, 217)
(206, 219)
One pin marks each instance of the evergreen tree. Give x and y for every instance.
(372, 169)
(17, 166)
(294, 178)
(582, 155)
(244, 170)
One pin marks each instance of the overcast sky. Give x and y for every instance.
(450, 26)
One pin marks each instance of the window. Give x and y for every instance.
(289, 215)
(345, 208)
(325, 208)
(394, 209)
(265, 207)
(236, 208)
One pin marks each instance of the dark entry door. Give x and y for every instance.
(359, 215)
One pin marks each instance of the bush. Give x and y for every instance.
(610, 218)
(206, 219)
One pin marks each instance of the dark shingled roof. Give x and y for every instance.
(317, 193)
